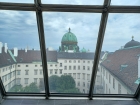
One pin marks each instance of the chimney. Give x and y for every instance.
(5, 48)
(15, 51)
(139, 67)
(25, 49)
(1, 45)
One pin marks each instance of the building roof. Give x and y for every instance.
(6, 59)
(35, 56)
(128, 59)
(79, 55)
(132, 43)
(69, 37)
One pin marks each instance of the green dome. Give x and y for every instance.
(69, 37)
(83, 50)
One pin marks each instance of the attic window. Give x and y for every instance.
(123, 67)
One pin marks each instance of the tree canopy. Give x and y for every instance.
(63, 84)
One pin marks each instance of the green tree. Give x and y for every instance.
(41, 85)
(31, 88)
(16, 88)
(63, 84)
(53, 83)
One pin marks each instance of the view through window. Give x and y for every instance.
(119, 68)
(70, 41)
(20, 57)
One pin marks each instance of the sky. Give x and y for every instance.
(19, 28)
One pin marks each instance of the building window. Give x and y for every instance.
(56, 66)
(83, 67)
(26, 72)
(18, 72)
(74, 61)
(88, 61)
(41, 71)
(26, 65)
(74, 75)
(35, 72)
(74, 67)
(18, 65)
(65, 67)
(83, 84)
(55, 71)
(51, 65)
(104, 72)
(40, 65)
(5, 77)
(78, 67)
(35, 80)
(65, 61)
(26, 80)
(60, 64)
(83, 75)
(78, 61)
(88, 76)
(109, 78)
(18, 81)
(83, 61)
(69, 61)
(51, 71)
(69, 67)
(88, 68)
(65, 73)
(70, 74)
(78, 76)
(35, 65)
(119, 89)
(113, 83)
(88, 85)
(106, 89)
(60, 71)
(78, 84)
(106, 75)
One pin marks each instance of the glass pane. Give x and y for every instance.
(18, 1)
(76, 2)
(20, 63)
(119, 69)
(70, 41)
(126, 2)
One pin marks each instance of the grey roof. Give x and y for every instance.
(129, 74)
(79, 55)
(132, 43)
(6, 59)
(35, 56)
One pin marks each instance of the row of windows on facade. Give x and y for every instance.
(74, 61)
(109, 76)
(8, 76)
(70, 62)
(10, 85)
(74, 68)
(7, 68)
(26, 80)
(27, 72)
(28, 65)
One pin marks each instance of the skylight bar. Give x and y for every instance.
(99, 46)
(42, 45)
(2, 89)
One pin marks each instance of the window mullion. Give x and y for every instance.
(99, 46)
(42, 45)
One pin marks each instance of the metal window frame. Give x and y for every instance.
(105, 9)
(2, 89)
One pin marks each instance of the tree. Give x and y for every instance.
(63, 84)
(16, 88)
(41, 85)
(53, 82)
(31, 88)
